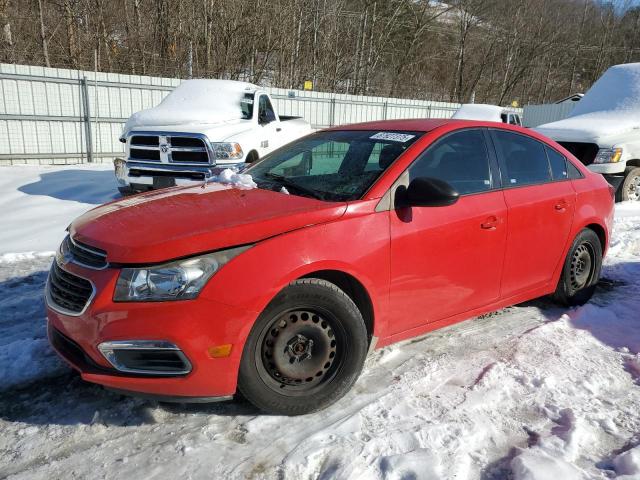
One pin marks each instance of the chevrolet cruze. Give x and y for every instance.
(353, 238)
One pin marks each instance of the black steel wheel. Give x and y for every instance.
(305, 351)
(581, 270)
(300, 351)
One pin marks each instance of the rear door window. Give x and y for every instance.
(558, 164)
(460, 159)
(523, 160)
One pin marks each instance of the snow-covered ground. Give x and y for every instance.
(533, 392)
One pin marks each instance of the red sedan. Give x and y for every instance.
(355, 237)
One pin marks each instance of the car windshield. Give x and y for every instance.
(246, 104)
(337, 165)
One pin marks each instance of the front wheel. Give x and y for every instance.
(630, 187)
(581, 270)
(305, 351)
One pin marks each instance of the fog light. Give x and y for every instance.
(120, 167)
(150, 357)
(220, 351)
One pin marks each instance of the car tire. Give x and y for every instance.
(125, 191)
(305, 351)
(630, 187)
(581, 270)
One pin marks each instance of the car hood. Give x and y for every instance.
(178, 222)
(215, 132)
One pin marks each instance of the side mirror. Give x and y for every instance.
(426, 192)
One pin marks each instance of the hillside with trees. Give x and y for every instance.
(495, 51)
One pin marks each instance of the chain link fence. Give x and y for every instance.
(61, 116)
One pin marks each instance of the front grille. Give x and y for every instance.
(585, 152)
(178, 148)
(85, 255)
(73, 353)
(190, 157)
(137, 172)
(146, 140)
(138, 154)
(68, 292)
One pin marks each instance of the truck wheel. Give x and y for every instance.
(581, 270)
(125, 191)
(630, 187)
(305, 351)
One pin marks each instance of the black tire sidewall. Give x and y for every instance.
(305, 293)
(565, 294)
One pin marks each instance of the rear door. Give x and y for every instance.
(541, 203)
(448, 260)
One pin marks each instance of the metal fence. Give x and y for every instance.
(535, 115)
(60, 116)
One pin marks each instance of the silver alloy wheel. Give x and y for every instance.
(633, 189)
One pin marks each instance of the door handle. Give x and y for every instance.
(489, 224)
(278, 129)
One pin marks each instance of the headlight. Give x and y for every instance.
(608, 155)
(179, 280)
(226, 151)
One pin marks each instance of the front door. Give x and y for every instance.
(448, 260)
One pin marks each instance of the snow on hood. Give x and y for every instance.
(195, 102)
(232, 177)
(611, 106)
(479, 111)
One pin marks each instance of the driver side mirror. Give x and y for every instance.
(426, 192)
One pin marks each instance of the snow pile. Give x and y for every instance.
(628, 463)
(195, 102)
(38, 203)
(611, 106)
(229, 176)
(479, 111)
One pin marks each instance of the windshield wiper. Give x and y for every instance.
(286, 182)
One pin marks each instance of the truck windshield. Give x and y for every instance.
(246, 104)
(337, 165)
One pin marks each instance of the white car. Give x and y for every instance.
(603, 130)
(487, 113)
(200, 128)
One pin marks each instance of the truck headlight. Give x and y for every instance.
(227, 151)
(179, 280)
(608, 155)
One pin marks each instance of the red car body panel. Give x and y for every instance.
(195, 219)
(485, 252)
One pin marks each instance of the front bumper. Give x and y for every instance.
(145, 176)
(608, 168)
(195, 326)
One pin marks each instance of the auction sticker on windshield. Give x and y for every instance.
(393, 137)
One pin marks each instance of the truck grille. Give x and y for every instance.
(585, 152)
(168, 149)
(85, 255)
(68, 292)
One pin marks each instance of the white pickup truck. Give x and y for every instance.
(603, 130)
(200, 128)
(487, 113)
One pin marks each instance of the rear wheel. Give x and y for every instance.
(581, 270)
(305, 351)
(630, 187)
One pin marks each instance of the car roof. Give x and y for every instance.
(415, 124)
